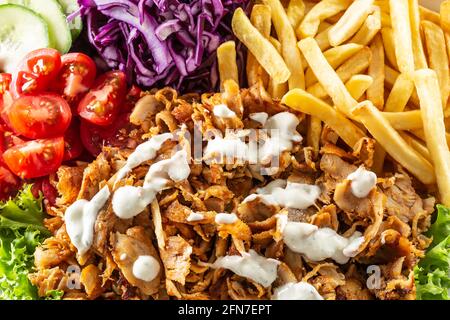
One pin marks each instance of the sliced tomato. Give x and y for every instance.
(36, 71)
(36, 158)
(76, 76)
(73, 146)
(116, 135)
(9, 184)
(101, 105)
(8, 140)
(41, 116)
(5, 81)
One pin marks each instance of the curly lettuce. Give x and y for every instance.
(21, 231)
(432, 275)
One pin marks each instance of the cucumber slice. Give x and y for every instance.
(21, 31)
(76, 25)
(51, 12)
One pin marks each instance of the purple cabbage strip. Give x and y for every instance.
(163, 42)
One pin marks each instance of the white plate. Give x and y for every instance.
(431, 4)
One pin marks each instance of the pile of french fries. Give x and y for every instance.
(375, 68)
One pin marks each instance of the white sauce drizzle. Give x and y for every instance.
(296, 291)
(318, 244)
(143, 152)
(260, 117)
(80, 218)
(363, 181)
(146, 268)
(225, 218)
(222, 111)
(129, 201)
(195, 216)
(250, 265)
(287, 194)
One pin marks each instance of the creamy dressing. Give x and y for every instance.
(230, 147)
(144, 152)
(80, 218)
(195, 216)
(250, 265)
(129, 201)
(260, 117)
(296, 291)
(146, 268)
(362, 182)
(222, 111)
(318, 244)
(287, 194)
(226, 218)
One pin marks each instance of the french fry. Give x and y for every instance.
(335, 57)
(226, 59)
(420, 133)
(302, 101)
(445, 15)
(358, 84)
(437, 56)
(321, 11)
(383, 5)
(369, 29)
(390, 76)
(416, 145)
(429, 15)
(402, 35)
(264, 52)
(295, 12)
(261, 20)
(385, 20)
(420, 60)
(322, 39)
(408, 120)
(427, 85)
(276, 90)
(389, 47)
(350, 22)
(393, 143)
(313, 134)
(399, 96)
(288, 40)
(356, 64)
(375, 93)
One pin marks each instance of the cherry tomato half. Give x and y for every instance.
(76, 76)
(40, 116)
(5, 81)
(116, 135)
(73, 147)
(9, 183)
(36, 158)
(36, 72)
(101, 105)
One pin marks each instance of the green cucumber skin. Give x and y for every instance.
(76, 25)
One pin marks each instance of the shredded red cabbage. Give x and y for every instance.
(162, 42)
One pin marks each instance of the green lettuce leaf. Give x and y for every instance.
(432, 275)
(21, 231)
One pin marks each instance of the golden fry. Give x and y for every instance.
(437, 55)
(288, 40)
(276, 90)
(264, 52)
(402, 35)
(408, 120)
(335, 57)
(369, 29)
(226, 59)
(389, 47)
(420, 60)
(445, 15)
(321, 11)
(391, 75)
(429, 15)
(304, 102)
(375, 93)
(358, 84)
(261, 20)
(295, 12)
(393, 143)
(416, 145)
(355, 65)
(427, 85)
(350, 22)
(314, 133)
(400, 94)
(322, 39)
